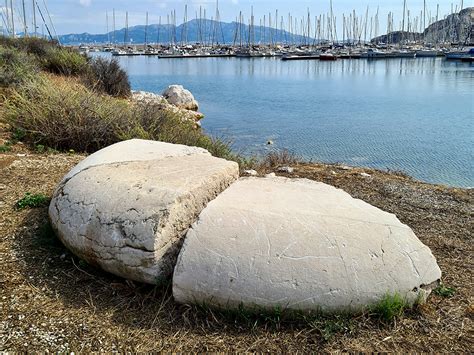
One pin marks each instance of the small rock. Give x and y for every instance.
(345, 167)
(21, 155)
(271, 175)
(62, 257)
(3, 187)
(286, 169)
(333, 172)
(365, 175)
(251, 172)
(178, 96)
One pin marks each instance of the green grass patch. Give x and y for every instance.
(4, 148)
(32, 201)
(444, 291)
(389, 307)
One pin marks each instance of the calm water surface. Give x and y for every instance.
(414, 115)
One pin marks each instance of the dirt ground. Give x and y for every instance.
(53, 301)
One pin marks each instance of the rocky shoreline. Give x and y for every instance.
(174, 99)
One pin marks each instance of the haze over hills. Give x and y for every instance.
(203, 31)
(454, 28)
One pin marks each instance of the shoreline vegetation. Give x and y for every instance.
(56, 106)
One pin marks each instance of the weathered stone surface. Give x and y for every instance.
(178, 96)
(299, 244)
(162, 104)
(134, 150)
(129, 217)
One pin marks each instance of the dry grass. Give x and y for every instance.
(52, 301)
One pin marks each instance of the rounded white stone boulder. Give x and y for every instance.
(127, 207)
(300, 245)
(178, 96)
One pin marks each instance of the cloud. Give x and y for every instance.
(85, 2)
(235, 2)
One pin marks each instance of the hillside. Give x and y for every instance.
(456, 28)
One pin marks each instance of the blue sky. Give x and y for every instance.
(76, 16)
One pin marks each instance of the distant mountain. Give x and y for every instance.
(455, 28)
(193, 31)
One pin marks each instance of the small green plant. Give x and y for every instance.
(390, 307)
(5, 148)
(332, 327)
(18, 134)
(32, 201)
(40, 148)
(444, 291)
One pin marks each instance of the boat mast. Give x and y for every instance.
(403, 22)
(158, 31)
(146, 30)
(424, 15)
(125, 36)
(34, 18)
(107, 26)
(7, 15)
(12, 18)
(25, 26)
(113, 28)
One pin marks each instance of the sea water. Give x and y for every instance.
(410, 115)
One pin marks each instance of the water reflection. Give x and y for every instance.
(414, 115)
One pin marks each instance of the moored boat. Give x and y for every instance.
(327, 57)
(464, 56)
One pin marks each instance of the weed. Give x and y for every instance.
(5, 148)
(40, 148)
(444, 291)
(328, 327)
(278, 158)
(18, 135)
(32, 201)
(389, 307)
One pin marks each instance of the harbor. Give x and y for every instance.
(309, 38)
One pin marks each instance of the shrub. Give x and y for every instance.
(278, 158)
(32, 201)
(107, 76)
(31, 45)
(15, 67)
(63, 115)
(64, 61)
(36, 46)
